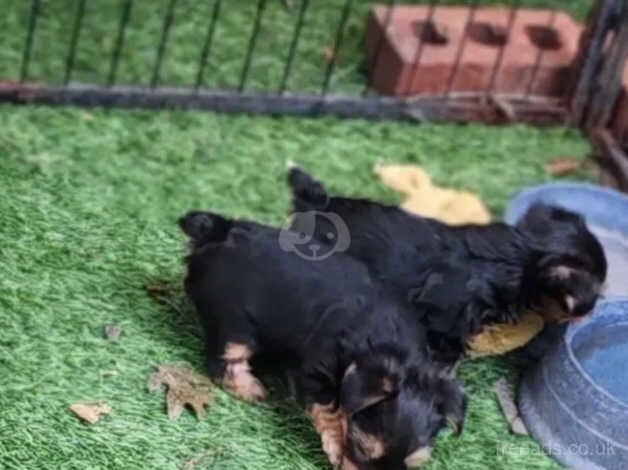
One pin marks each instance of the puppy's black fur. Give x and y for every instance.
(477, 275)
(354, 348)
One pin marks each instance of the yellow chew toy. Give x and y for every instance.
(456, 208)
(447, 205)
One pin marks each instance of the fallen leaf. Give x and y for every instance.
(184, 387)
(563, 166)
(330, 54)
(160, 289)
(112, 332)
(506, 399)
(90, 412)
(164, 293)
(204, 458)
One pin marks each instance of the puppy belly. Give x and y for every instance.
(330, 424)
(238, 378)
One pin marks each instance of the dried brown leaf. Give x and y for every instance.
(202, 458)
(184, 387)
(563, 166)
(330, 54)
(159, 290)
(90, 412)
(112, 332)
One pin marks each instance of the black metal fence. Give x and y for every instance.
(283, 56)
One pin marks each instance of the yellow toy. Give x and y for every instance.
(456, 207)
(447, 205)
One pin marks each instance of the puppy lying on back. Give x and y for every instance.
(372, 394)
(550, 261)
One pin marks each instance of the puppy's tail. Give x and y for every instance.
(203, 227)
(307, 193)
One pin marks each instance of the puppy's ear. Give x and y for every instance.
(204, 226)
(452, 403)
(366, 385)
(542, 220)
(308, 194)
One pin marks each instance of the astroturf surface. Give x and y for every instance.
(87, 223)
(88, 220)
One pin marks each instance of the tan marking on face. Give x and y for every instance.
(561, 272)
(372, 446)
(330, 423)
(238, 378)
(419, 457)
(387, 385)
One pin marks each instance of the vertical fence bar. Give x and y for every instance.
(76, 33)
(261, 6)
(461, 49)
(500, 54)
(163, 41)
(608, 82)
(590, 56)
(539, 57)
(207, 45)
(346, 11)
(418, 53)
(293, 46)
(30, 36)
(117, 49)
(380, 45)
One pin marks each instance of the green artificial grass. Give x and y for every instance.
(87, 221)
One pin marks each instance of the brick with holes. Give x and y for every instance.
(373, 395)
(417, 52)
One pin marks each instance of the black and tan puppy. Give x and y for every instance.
(373, 396)
(549, 261)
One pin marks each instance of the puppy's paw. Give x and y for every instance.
(348, 465)
(253, 391)
(330, 423)
(333, 447)
(242, 383)
(248, 388)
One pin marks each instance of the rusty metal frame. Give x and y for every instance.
(460, 107)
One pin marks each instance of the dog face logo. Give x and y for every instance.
(297, 235)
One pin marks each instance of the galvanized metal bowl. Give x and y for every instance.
(574, 400)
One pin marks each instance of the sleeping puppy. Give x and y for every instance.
(374, 398)
(550, 261)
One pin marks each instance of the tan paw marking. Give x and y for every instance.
(330, 424)
(238, 378)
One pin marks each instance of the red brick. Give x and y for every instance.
(396, 74)
(620, 121)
